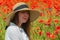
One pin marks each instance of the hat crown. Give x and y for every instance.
(18, 4)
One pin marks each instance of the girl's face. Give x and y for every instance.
(23, 16)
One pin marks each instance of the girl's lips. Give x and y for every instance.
(24, 18)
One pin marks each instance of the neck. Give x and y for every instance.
(19, 24)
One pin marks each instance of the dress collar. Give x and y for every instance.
(12, 24)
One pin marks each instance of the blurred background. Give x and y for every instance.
(46, 27)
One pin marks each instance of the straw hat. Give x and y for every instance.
(34, 14)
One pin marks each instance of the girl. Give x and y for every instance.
(18, 22)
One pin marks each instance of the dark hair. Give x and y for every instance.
(25, 26)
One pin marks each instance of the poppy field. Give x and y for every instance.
(45, 27)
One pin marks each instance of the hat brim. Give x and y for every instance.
(34, 14)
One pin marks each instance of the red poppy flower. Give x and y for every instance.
(4, 10)
(2, 2)
(34, 4)
(48, 2)
(48, 22)
(56, 5)
(7, 7)
(56, 21)
(41, 14)
(40, 33)
(41, 21)
(9, 4)
(57, 27)
(57, 13)
(52, 36)
(56, 32)
(48, 34)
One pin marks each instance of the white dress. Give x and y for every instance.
(13, 32)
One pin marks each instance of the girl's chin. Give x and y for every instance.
(24, 21)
